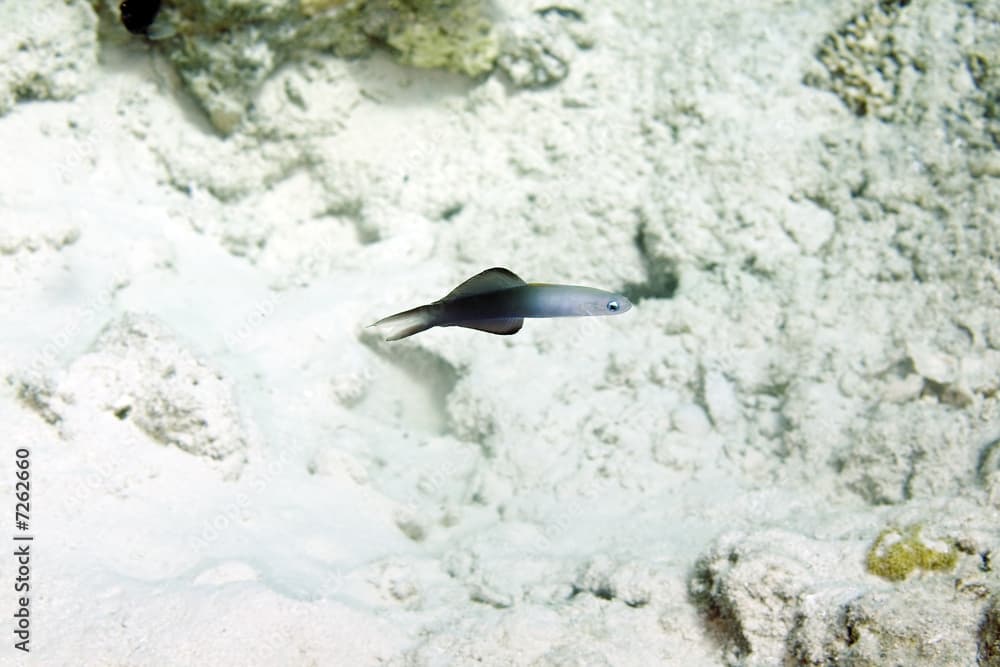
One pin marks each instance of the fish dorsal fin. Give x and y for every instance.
(490, 280)
(502, 327)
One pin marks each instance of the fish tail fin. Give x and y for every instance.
(406, 323)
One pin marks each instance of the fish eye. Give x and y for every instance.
(613, 306)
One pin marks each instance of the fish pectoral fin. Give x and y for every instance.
(490, 280)
(502, 327)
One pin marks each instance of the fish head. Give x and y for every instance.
(617, 304)
(599, 302)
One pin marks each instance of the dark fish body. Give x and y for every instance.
(530, 300)
(138, 15)
(497, 301)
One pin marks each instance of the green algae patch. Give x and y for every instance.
(456, 36)
(898, 552)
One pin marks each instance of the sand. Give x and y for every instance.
(228, 467)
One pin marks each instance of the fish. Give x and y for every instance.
(138, 15)
(142, 17)
(497, 301)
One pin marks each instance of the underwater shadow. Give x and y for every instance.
(662, 277)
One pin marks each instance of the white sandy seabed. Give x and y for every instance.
(228, 468)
